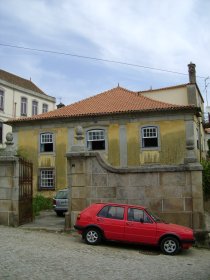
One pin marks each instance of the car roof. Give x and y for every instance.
(120, 204)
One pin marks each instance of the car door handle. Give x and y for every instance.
(129, 223)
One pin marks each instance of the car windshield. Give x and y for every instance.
(154, 216)
(62, 195)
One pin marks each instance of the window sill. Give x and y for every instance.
(46, 189)
(151, 149)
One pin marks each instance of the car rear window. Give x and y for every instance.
(62, 195)
(112, 212)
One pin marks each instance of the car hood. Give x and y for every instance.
(173, 228)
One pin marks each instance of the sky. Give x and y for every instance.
(152, 34)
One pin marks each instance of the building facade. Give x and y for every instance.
(20, 98)
(122, 146)
(119, 146)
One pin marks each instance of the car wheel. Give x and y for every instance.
(170, 245)
(59, 213)
(92, 236)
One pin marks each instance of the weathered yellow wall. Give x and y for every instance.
(113, 145)
(172, 144)
(57, 160)
(133, 144)
(172, 148)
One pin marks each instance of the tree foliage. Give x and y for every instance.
(206, 179)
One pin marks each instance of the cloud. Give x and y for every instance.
(162, 34)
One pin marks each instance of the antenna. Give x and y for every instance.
(206, 86)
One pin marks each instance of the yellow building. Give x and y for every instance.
(122, 146)
(127, 128)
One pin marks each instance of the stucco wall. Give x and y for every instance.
(12, 103)
(30, 150)
(123, 143)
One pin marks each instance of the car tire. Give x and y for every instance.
(92, 236)
(59, 213)
(170, 245)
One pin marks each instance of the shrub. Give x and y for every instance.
(208, 152)
(41, 203)
(206, 179)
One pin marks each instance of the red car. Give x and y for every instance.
(131, 223)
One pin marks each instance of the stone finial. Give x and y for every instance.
(79, 133)
(9, 138)
(79, 146)
(9, 150)
(192, 73)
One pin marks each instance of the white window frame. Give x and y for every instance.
(1, 100)
(46, 138)
(95, 135)
(47, 179)
(44, 108)
(24, 105)
(150, 132)
(34, 107)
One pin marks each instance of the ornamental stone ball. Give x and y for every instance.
(9, 137)
(79, 130)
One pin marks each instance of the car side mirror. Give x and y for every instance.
(141, 220)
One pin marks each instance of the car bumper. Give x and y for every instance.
(80, 228)
(187, 243)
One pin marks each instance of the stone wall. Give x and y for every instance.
(9, 190)
(173, 192)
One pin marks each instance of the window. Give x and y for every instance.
(149, 137)
(112, 212)
(138, 215)
(47, 179)
(46, 142)
(44, 108)
(1, 100)
(34, 107)
(1, 132)
(23, 106)
(96, 139)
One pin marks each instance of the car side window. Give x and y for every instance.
(103, 212)
(112, 212)
(138, 215)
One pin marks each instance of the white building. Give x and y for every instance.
(20, 98)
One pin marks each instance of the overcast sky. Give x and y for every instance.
(152, 33)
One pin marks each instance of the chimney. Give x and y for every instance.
(60, 105)
(191, 70)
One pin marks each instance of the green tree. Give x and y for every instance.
(206, 179)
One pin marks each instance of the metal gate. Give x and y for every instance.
(25, 191)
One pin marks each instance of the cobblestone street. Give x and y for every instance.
(27, 254)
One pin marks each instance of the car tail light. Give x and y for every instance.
(78, 217)
(54, 201)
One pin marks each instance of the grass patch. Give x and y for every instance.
(41, 203)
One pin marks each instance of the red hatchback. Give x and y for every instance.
(131, 223)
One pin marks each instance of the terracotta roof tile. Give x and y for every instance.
(18, 81)
(115, 101)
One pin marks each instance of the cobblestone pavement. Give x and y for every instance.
(27, 254)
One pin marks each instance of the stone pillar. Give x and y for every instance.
(197, 198)
(190, 156)
(9, 185)
(76, 172)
